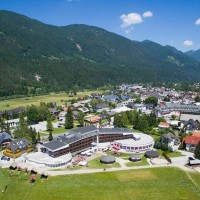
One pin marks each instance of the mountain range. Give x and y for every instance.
(39, 58)
(194, 53)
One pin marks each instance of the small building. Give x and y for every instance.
(162, 125)
(171, 141)
(107, 159)
(191, 142)
(152, 154)
(191, 125)
(4, 138)
(17, 148)
(135, 157)
(194, 163)
(101, 107)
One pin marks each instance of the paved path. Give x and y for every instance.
(89, 171)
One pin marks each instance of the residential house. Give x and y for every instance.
(162, 125)
(17, 148)
(101, 107)
(112, 98)
(171, 141)
(5, 138)
(191, 142)
(191, 126)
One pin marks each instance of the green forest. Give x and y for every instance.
(36, 58)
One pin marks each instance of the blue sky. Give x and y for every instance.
(167, 22)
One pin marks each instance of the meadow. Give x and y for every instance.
(149, 184)
(23, 102)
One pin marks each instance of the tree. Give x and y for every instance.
(138, 100)
(38, 137)
(151, 100)
(100, 123)
(80, 118)
(117, 120)
(124, 119)
(33, 114)
(173, 117)
(49, 124)
(142, 123)
(2, 125)
(50, 135)
(197, 98)
(197, 151)
(33, 135)
(69, 120)
(152, 121)
(7, 129)
(166, 99)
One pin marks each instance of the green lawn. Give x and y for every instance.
(138, 163)
(23, 102)
(170, 154)
(145, 184)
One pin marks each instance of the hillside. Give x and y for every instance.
(38, 58)
(194, 54)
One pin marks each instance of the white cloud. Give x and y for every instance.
(148, 14)
(197, 22)
(188, 43)
(130, 19)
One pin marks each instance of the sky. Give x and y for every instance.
(167, 22)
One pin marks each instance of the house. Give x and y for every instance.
(171, 141)
(61, 116)
(191, 126)
(4, 138)
(140, 107)
(17, 148)
(92, 120)
(162, 125)
(83, 109)
(9, 114)
(112, 98)
(191, 142)
(101, 107)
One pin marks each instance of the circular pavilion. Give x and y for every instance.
(152, 154)
(135, 158)
(107, 159)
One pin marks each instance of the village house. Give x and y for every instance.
(17, 148)
(171, 141)
(5, 138)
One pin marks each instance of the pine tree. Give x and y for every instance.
(49, 124)
(117, 121)
(33, 136)
(69, 120)
(124, 120)
(197, 151)
(80, 118)
(50, 135)
(38, 137)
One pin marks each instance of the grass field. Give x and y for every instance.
(138, 163)
(23, 102)
(148, 184)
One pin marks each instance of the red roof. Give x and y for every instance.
(164, 125)
(191, 140)
(196, 134)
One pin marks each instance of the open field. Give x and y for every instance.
(23, 102)
(158, 183)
